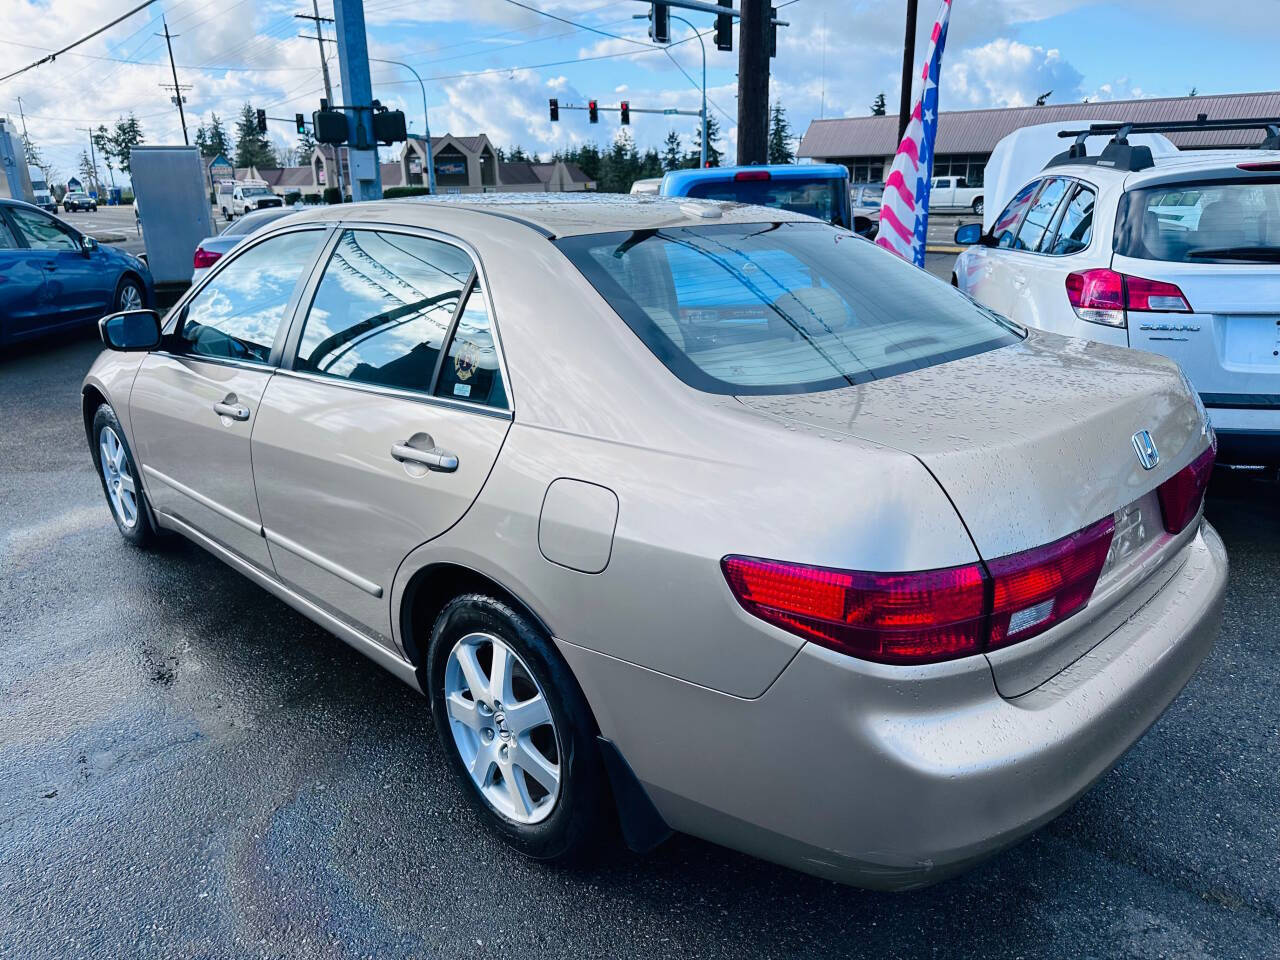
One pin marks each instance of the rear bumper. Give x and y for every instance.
(899, 777)
(1247, 434)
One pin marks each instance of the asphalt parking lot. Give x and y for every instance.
(190, 769)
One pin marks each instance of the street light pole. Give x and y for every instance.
(703, 45)
(426, 124)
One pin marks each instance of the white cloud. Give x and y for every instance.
(1006, 73)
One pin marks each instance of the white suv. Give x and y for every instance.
(1179, 255)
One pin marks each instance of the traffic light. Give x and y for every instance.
(660, 23)
(301, 123)
(593, 114)
(724, 27)
(625, 110)
(555, 109)
(330, 126)
(773, 32)
(262, 121)
(389, 127)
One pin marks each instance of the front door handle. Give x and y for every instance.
(236, 411)
(434, 459)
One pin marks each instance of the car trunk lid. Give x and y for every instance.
(1032, 442)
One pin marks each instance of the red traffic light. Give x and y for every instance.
(625, 110)
(593, 114)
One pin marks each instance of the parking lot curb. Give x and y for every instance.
(943, 248)
(110, 237)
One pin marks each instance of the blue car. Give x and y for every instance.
(53, 277)
(818, 189)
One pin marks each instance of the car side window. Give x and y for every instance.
(1039, 218)
(41, 232)
(237, 315)
(471, 370)
(7, 239)
(1006, 225)
(383, 308)
(1076, 227)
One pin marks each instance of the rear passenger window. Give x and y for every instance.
(470, 370)
(1035, 226)
(1076, 227)
(383, 309)
(238, 313)
(1006, 225)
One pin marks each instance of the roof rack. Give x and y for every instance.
(1122, 156)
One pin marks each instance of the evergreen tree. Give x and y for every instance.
(650, 165)
(252, 148)
(878, 105)
(202, 141)
(88, 172)
(106, 149)
(306, 147)
(714, 153)
(671, 155)
(620, 167)
(218, 142)
(780, 136)
(587, 157)
(126, 135)
(516, 154)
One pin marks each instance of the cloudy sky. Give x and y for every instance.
(491, 65)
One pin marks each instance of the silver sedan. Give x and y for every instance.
(685, 516)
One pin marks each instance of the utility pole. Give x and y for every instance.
(23, 117)
(426, 125)
(908, 69)
(93, 158)
(753, 82)
(319, 38)
(177, 88)
(357, 89)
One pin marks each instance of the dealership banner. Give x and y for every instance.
(904, 211)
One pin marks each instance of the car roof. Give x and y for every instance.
(1182, 162)
(680, 180)
(563, 214)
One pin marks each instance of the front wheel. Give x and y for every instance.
(978, 206)
(119, 476)
(516, 728)
(129, 296)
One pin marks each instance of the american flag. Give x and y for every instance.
(904, 214)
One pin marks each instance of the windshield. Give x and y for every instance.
(252, 221)
(822, 197)
(870, 196)
(780, 308)
(255, 191)
(1209, 222)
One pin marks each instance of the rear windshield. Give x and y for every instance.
(780, 308)
(821, 197)
(1211, 222)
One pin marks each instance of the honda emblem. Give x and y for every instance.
(1146, 450)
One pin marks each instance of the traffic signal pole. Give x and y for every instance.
(702, 44)
(426, 125)
(357, 88)
(753, 82)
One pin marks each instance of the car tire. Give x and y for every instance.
(117, 471)
(978, 207)
(129, 296)
(492, 737)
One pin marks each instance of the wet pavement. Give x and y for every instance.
(190, 769)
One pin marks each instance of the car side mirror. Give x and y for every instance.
(969, 234)
(131, 331)
(88, 244)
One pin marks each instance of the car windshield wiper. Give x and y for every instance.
(1261, 254)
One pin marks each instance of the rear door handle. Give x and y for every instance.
(434, 459)
(236, 411)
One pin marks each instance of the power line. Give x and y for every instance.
(49, 58)
(574, 23)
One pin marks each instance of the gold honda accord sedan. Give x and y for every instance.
(686, 516)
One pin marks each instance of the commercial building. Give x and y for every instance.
(866, 145)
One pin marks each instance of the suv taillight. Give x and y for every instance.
(1182, 494)
(1104, 296)
(204, 258)
(932, 615)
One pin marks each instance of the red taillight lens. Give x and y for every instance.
(752, 175)
(885, 617)
(1040, 587)
(204, 258)
(1103, 296)
(1182, 494)
(1155, 296)
(1259, 166)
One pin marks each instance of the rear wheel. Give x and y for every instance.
(119, 476)
(978, 206)
(516, 729)
(129, 295)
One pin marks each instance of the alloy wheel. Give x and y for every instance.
(503, 728)
(121, 489)
(130, 297)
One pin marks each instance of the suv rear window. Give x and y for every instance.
(1207, 222)
(821, 197)
(766, 308)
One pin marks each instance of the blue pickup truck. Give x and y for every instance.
(818, 189)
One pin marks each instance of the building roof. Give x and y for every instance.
(576, 174)
(288, 176)
(978, 131)
(513, 172)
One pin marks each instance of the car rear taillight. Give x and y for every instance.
(1104, 296)
(1182, 494)
(1260, 166)
(752, 175)
(885, 617)
(933, 615)
(1040, 587)
(204, 258)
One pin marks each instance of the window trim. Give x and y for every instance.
(172, 327)
(16, 229)
(307, 299)
(1077, 188)
(1068, 190)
